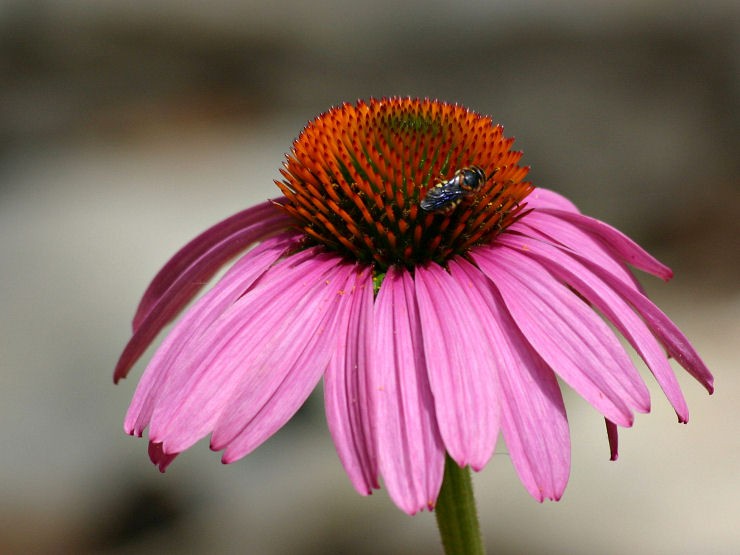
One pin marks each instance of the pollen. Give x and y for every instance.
(356, 178)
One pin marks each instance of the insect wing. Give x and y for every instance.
(441, 198)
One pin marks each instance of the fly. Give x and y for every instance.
(446, 195)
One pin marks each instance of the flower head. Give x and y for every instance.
(437, 293)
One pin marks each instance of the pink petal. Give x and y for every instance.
(196, 248)
(459, 361)
(544, 198)
(535, 426)
(161, 459)
(238, 347)
(187, 272)
(617, 242)
(540, 224)
(611, 304)
(567, 334)
(347, 393)
(234, 284)
(660, 325)
(277, 385)
(410, 449)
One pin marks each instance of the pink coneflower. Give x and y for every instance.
(437, 320)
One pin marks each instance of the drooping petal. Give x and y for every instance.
(184, 259)
(280, 381)
(617, 242)
(188, 271)
(347, 393)
(541, 224)
(162, 370)
(567, 334)
(534, 422)
(610, 303)
(410, 449)
(660, 325)
(459, 362)
(239, 349)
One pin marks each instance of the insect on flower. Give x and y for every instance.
(446, 195)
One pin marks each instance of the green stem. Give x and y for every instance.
(457, 516)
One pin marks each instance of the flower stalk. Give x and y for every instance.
(456, 512)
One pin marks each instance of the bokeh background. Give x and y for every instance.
(127, 128)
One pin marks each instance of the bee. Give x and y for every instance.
(446, 195)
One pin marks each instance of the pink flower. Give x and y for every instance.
(434, 328)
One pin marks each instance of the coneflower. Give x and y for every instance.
(437, 293)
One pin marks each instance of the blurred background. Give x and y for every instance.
(127, 128)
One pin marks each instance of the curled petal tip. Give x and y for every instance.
(612, 433)
(121, 371)
(132, 430)
(683, 418)
(159, 457)
(554, 496)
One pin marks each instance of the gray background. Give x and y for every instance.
(126, 129)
